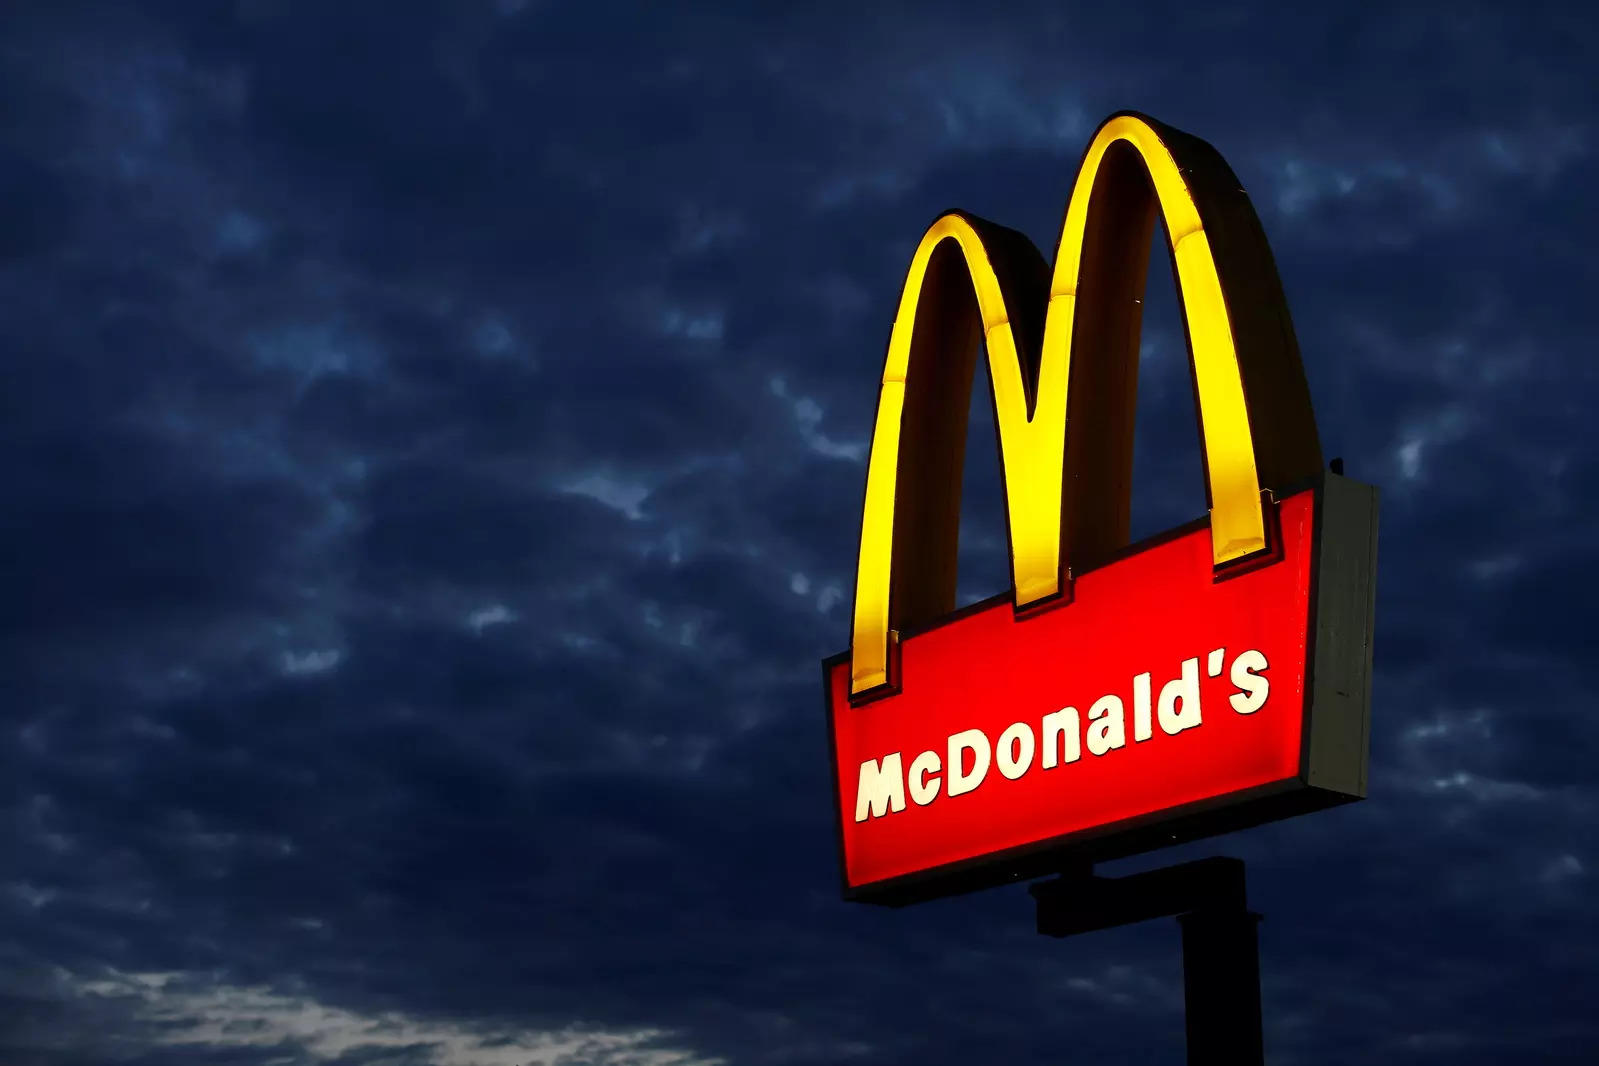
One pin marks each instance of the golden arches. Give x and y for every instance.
(1031, 410)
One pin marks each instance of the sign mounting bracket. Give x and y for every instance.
(1221, 953)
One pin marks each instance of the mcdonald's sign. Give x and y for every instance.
(1119, 697)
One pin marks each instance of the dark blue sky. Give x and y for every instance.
(433, 443)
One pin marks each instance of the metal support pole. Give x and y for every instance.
(1221, 945)
(1221, 987)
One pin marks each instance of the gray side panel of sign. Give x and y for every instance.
(1340, 722)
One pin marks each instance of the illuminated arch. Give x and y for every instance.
(1257, 427)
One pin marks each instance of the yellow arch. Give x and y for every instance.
(1033, 449)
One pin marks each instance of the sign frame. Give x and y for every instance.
(1335, 710)
(1258, 439)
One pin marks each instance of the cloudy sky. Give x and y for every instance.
(433, 442)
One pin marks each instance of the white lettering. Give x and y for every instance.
(1107, 727)
(1060, 737)
(1020, 737)
(959, 780)
(1184, 691)
(1141, 727)
(923, 787)
(881, 788)
(882, 785)
(1252, 688)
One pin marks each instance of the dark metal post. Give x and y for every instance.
(1221, 946)
(1221, 987)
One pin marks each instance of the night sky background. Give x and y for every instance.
(433, 442)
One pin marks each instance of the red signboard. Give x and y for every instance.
(1214, 677)
(1158, 689)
